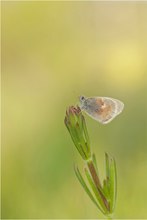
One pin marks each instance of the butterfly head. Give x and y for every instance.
(82, 100)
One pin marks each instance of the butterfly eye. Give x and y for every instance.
(82, 98)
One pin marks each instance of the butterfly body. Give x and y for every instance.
(102, 109)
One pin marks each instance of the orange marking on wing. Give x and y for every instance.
(100, 102)
(105, 112)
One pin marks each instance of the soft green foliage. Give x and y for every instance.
(103, 196)
(81, 180)
(76, 126)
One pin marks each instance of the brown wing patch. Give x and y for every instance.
(105, 112)
(99, 102)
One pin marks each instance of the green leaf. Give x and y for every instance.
(106, 182)
(107, 165)
(97, 193)
(77, 137)
(113, 184)
(106, 190)
(81, 180)
(95, 163)
(76, 140)
(79, 148)
(86, 133)
(75, 123)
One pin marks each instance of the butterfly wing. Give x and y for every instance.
(104, 109)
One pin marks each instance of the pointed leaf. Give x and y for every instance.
(81, 180)
(96, 192)
(107, 165)
(106, 190)
(86, 132)
(113, 184)
(95, 163)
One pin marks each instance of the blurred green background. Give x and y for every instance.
(52, 52)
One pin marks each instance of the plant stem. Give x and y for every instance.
(97, 182)
(94, 173)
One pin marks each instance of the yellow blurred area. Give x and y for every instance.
(52, 52)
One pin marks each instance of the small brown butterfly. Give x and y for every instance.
(102, 109)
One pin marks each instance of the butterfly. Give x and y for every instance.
(102, 109)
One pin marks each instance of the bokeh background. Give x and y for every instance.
(52, 52)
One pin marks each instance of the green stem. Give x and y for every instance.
(94, 173)
(97, 182)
